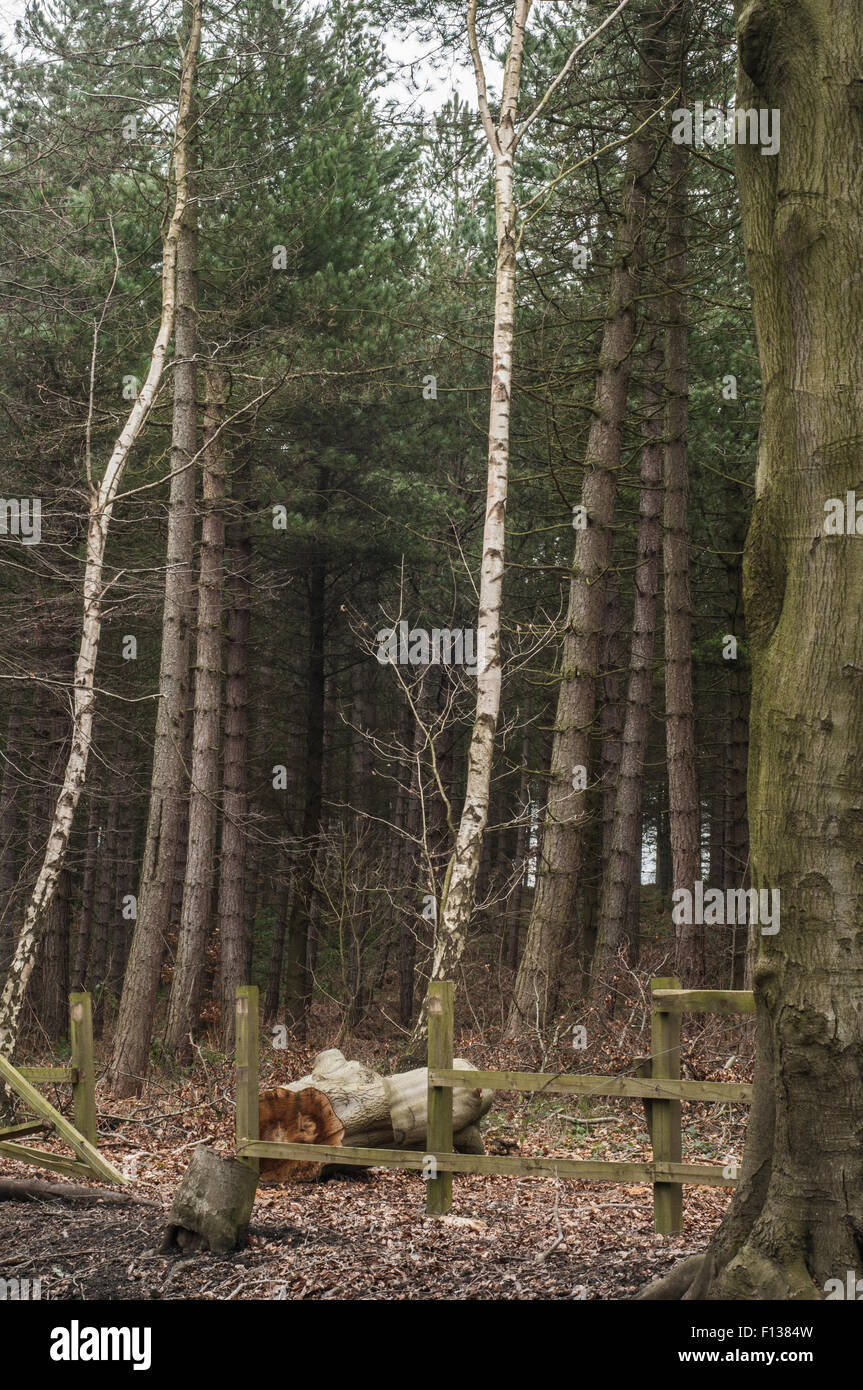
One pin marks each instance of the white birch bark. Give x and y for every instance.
(464, 864)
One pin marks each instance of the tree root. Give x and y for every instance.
(749, 1276)
(669, 1287)
(752, 1275)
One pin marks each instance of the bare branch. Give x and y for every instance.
(567, 69)
(481, 90)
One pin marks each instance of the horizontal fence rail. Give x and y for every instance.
(705, 1001)
(623, 1087)
(586, 1170)
(659, 1085)
(63, 1076)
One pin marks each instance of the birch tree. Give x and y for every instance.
(102, 496)
(503, 137)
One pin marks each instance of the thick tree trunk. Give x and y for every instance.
(130, 1059)
(538, 980)
(196, 921)
(178, 878)
(742, 947)
(611, 744)
(738, 847)
(251, 881)
(632, 931)
(624, 863)
(796, 1218)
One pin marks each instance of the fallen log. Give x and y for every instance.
(347, 1104)
(34, 1190)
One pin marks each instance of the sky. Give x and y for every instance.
(10, 10)
(437, 80)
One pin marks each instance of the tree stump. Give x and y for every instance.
(212, 1206)
(346, 1104)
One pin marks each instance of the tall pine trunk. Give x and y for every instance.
(538, 980)
(683, 806)
(623, 870)
(198, 885)
(235, 748)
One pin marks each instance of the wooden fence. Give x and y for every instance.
(658, 1084)
(80, 1075)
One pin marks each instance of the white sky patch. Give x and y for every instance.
(429, 77)
(10, 11)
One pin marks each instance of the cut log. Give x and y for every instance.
(212, 1206)
(345, 1103)
(296, 1117)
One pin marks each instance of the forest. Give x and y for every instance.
(431, 441)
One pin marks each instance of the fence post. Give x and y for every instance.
(247, 1103)
(439, 1136)
(84, 1088)
(666, 1124)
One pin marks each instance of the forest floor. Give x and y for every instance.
(366, 1235)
